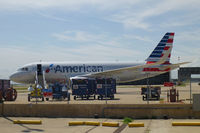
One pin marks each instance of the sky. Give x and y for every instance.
(95, 30)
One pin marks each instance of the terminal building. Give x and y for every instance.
(184, 73)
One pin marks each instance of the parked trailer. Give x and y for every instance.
(106, 88)
(83, 88)
(154, 93)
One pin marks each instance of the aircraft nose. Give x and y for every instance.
(14, 77)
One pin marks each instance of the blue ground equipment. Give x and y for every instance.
(106, 88)
(83, 88)
(60, 91)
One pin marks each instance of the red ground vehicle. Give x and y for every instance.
(6, 91)
(48, 93)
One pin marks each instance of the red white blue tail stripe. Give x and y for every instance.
(164, 45)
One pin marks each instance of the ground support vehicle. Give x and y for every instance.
(106, 88)
(47, 93)
(35, 92)
(154, 93)
(7, 93)
(10, 94)
(83, 88)
(60, 91)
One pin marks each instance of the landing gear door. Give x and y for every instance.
(39, 69)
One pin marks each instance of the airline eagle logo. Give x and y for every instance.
(49, 68)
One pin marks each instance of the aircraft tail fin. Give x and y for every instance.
(163, 47)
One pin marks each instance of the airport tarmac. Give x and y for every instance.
(125, 95)
(52, 125)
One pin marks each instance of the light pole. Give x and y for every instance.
(147, 88)
(190, 89)
(106, 90)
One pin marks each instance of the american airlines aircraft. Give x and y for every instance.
(157, 63)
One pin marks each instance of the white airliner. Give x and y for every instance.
(157, 63)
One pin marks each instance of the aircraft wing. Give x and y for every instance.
(109, 73)
(174, 66)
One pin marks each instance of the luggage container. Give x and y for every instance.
(60, 91)
(83, 88)
(4, 84)
(106, 88)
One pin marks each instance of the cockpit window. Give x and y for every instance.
(23, 69)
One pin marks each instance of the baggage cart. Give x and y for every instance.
(83, 88)
(106, 88)
(60, 91)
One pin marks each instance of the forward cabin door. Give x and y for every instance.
(40, 78)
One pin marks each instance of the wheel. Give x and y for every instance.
(10, 94)
(87, 97)
(98, 97)
(112, 97)
(14, 95)
(101, 97)
(42, 98)
(158, 98)
(47, 99)
(143, 98)
(64, 97)
(94, 97)
(74, 97)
